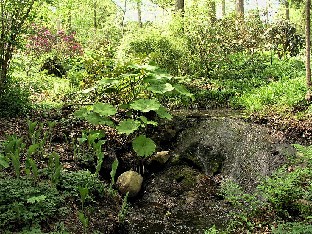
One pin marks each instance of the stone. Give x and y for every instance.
(129, 181)
(160, 157)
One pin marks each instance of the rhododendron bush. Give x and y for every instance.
(62, 44)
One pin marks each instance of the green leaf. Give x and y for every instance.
(4, 161)
(93, 118)
(160, 88)
(108, 81)
(128, 126)
(182, 90)
(36, 199)
(145, 105)
(113, 171)
(32, 149)
(82, 113)
(104, 109)
(162, 113)
(143, 146)
(146, 121)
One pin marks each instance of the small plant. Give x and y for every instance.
(124, 209)
(113, 173)
(13, 148)
(54, 167)
(84, 220)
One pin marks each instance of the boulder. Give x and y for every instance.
(129, 181)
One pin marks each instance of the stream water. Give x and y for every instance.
(208, 148)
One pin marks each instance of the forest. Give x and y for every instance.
(155, 116)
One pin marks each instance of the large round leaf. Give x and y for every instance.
(143, 146)
(162, 113)
(160, 88)
(145, 105)
(104, 109)
(128, 126)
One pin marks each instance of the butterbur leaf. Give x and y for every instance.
(82, 113)
(128, 126)
(162, 113)
(104, 109)
(160, 88)
(182, 90)
(146, 121)
(93, 118)
(108, 81)
(145, 105)
(143, 146)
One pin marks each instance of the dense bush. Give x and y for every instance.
(14, 99)
(153, 47)
(24, 203)
(283, 39)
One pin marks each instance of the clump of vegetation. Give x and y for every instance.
(283, 198)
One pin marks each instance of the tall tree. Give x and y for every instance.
(286, 4)
(13, 15)
(139, 6)
(212, 11)
(308, 96)
(223, 8)
(239, 6)
(179, 6)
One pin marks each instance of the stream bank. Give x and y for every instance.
(207, 148)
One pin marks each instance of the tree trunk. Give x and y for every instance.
(223, 8)
(94, 15)
(139, 4)
(240, 8)
(308, 50)
(287, 10)
(179, 6)
(212, 14)
(123, 17)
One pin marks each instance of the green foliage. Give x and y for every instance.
(285, 196)
(152, 46)
(284, 94)
(293, 228)
(124, 209)
(71, 181)
(283, 39)
(113, 173)
(143, 146)
(23, 203)
(14, 99)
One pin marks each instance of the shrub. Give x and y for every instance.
(23, 203)
(14, 99)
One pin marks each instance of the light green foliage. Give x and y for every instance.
(143, 76)
(24, 203)
(84, 220)
(128, 126)
(54, 167)
(124, 209)
(71, 181)
(84, 192)
(145, 105)
(293, 228)
(143, 146)
(113, 173)
(285, 196)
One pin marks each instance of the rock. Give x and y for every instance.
(159, 159)
(129, 181)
